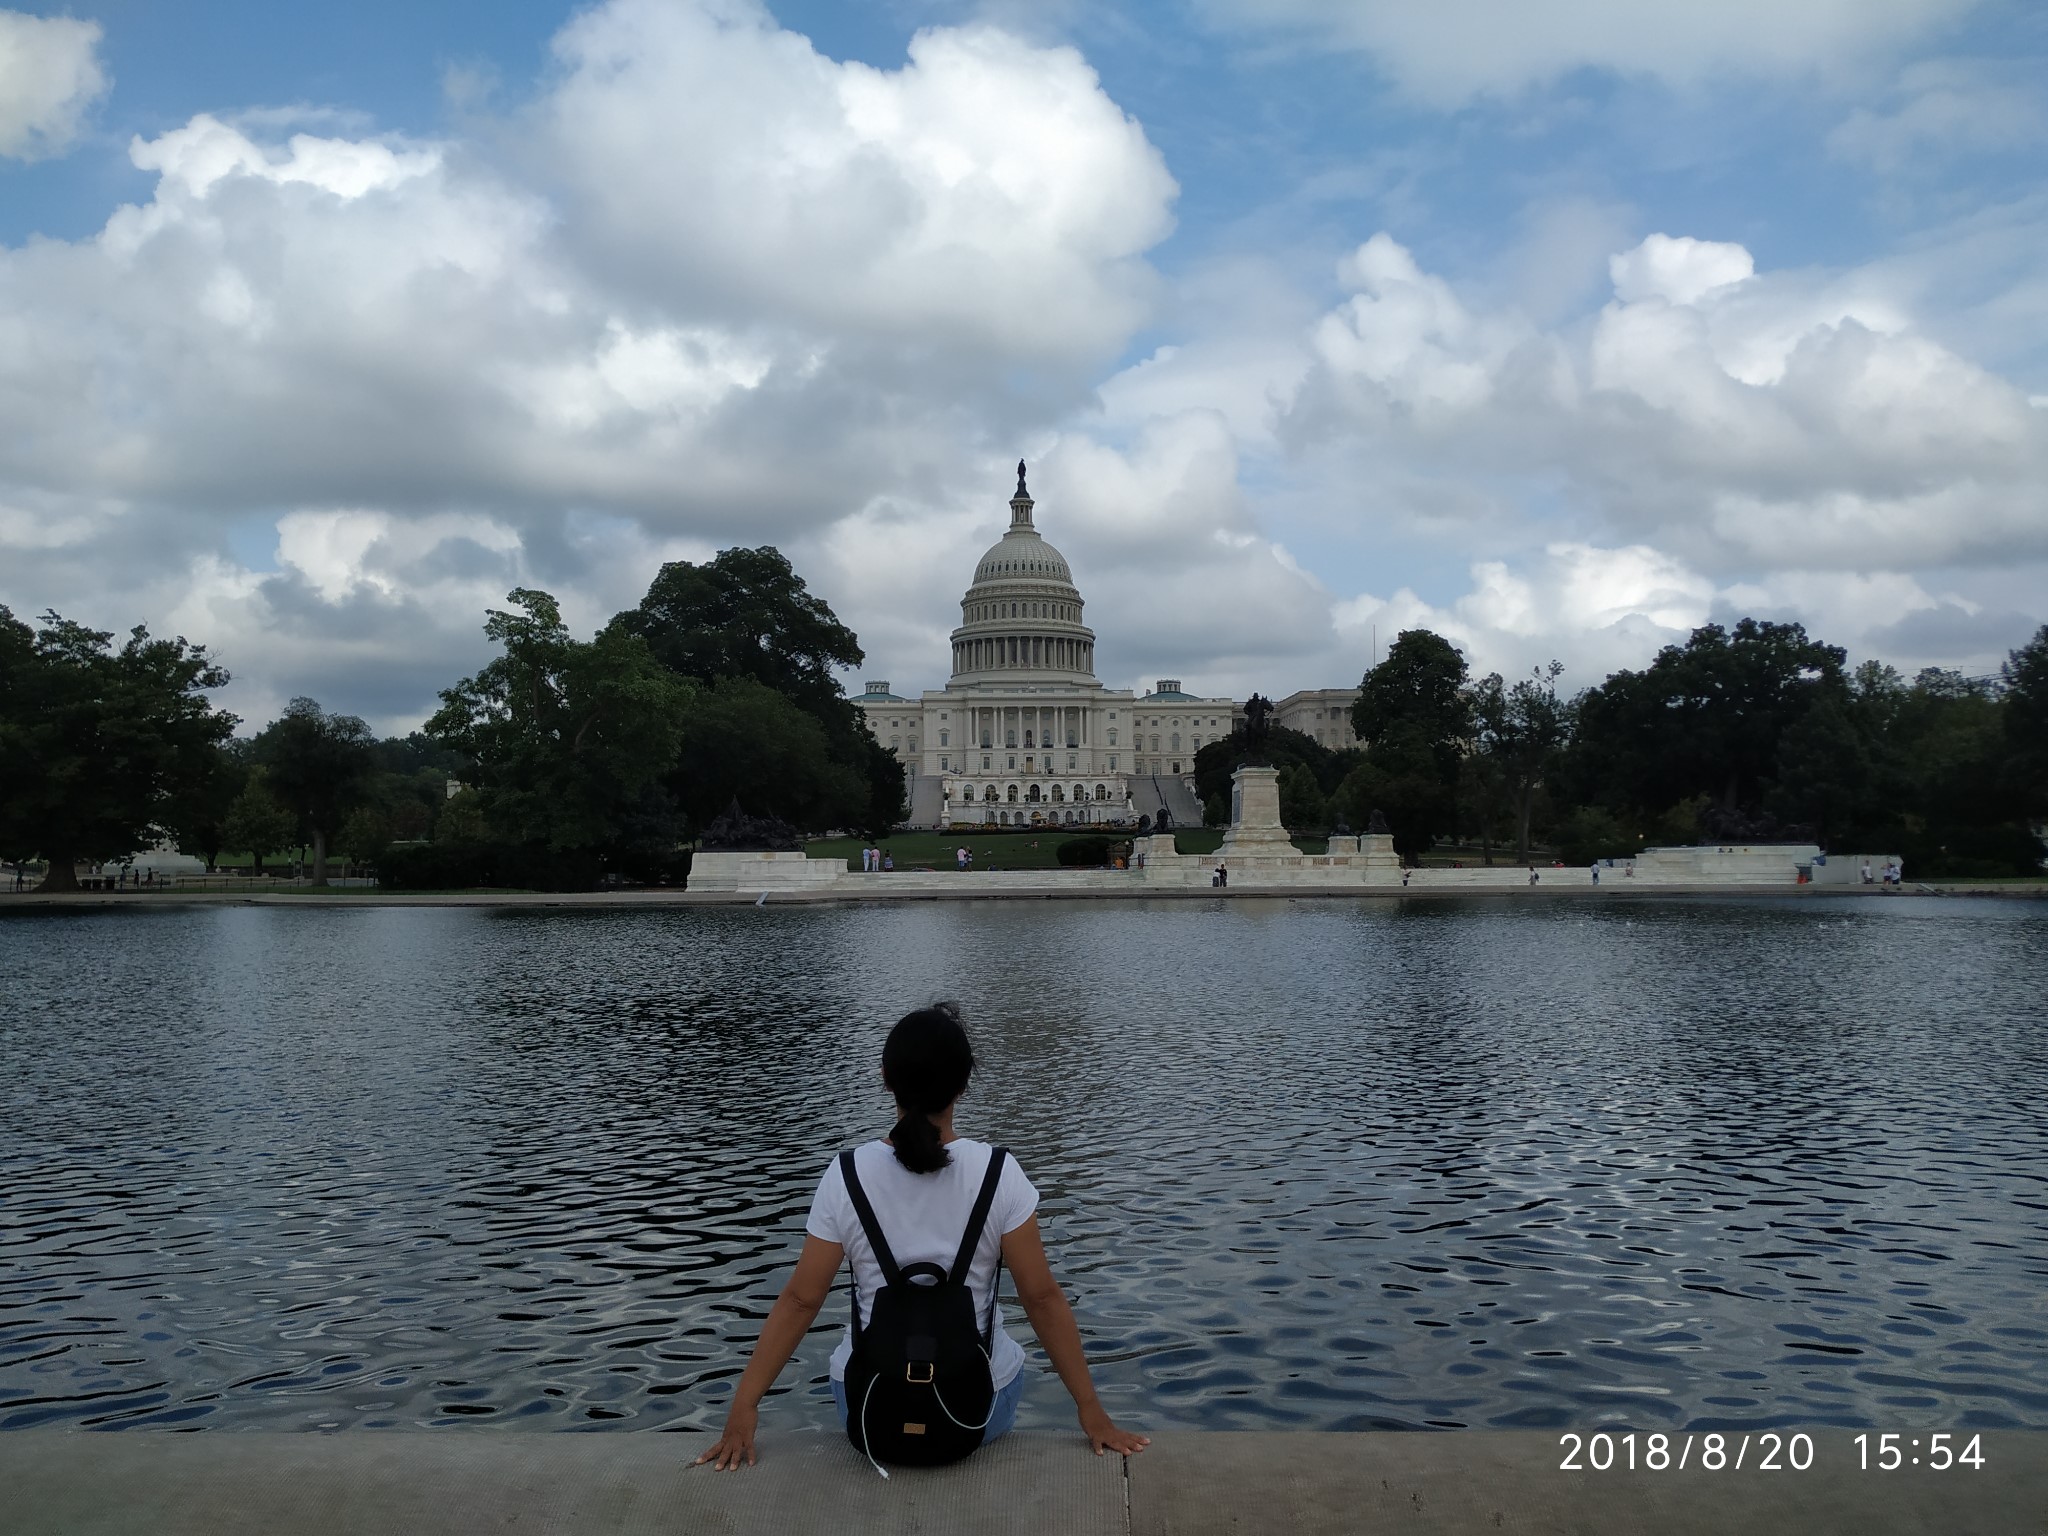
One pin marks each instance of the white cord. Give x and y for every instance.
(864, 1426)
(954, 1417)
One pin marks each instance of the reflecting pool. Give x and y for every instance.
(1703, 1164)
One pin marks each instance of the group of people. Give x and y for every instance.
(1894, 873)
(873, 860)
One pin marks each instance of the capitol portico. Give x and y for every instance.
(1023, 733)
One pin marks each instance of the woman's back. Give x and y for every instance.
(923, 1216)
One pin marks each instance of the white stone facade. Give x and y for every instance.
(1023, 733)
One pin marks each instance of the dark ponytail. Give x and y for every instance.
(925, 1062)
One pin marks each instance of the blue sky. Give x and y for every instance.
(1557, 327)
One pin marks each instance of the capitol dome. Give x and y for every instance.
(1021, 619)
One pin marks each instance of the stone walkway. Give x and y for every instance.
(459, 1482)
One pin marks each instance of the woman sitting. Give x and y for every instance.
(949, 1213)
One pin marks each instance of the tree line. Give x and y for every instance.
(1750, 733)
(576, 758)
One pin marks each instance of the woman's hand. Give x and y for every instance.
(736, 1442)
(1103, 1435)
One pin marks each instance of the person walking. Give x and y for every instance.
(1596, 871)
(918, 1199)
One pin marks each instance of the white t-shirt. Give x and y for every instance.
(923, 1216)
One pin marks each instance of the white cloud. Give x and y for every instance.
(1744, 418)
(711, 286)
(49, 76)
(1448, 52)
(989, 188)
(1942, 108)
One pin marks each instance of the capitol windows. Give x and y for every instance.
(1073, 760)
(913, 743)
(1013, 760)
(1112, 734)
(1059, 793)
(946, 766)
(1176, 741)
(989, 794)
(895, 742)
(1194, 743)
(1031, 794)
(1009, 738)
(1112, 762)
(1155, 743)
(1012, 795)
(944, 736)
(1102, 791)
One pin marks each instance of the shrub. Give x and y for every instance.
(1084, 852)
(462, 866)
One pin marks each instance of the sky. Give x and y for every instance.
(1560, 327)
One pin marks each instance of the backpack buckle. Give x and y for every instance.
(910, 1373)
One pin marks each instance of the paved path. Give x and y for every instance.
(460, 1482)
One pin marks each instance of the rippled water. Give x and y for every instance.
(1322, 1165)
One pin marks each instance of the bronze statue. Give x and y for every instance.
(1378, 827)
(1258, 729)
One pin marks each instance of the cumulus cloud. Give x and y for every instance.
(50, 75)
(1449, 52)
(1795, 419)
(709, 285)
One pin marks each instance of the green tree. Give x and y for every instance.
(1521, 733)
(1824, 774)
(747, 614)
(563, 735)
(1703, 718)
(748, 742)
(94, 740)
(1415, 717)
(365, 835)
(2025, 675)
(318, 765)
(462, 820)
(1301, 799)
(256, 823)
(197, 806)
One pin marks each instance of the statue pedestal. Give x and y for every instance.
(1255, 828)
(1377, 849)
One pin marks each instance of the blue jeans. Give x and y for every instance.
(1002, 1415)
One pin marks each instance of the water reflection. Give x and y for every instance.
(1701, 1164)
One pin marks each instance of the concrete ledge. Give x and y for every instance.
(458, 1482)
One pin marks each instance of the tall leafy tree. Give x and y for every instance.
(748, 614)
(256, 824)
(1704, 718)
(2025, 675)
(1415, 716)
(208, 784)
(94, 740)
(1521, 732)
(564, 736)
(319, 766)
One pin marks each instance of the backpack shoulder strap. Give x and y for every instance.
(891, 1275)
(978, 1219)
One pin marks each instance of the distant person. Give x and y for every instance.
(1596, 871)
(1405, 873)
(1222, 874)
(1533, 876)
(1868, 877)
(960, 857)
(888, 860)
(922, 1204)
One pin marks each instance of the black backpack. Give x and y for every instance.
(918, 1389)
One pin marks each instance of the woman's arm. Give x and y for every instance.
(1046, 1305)
(788, 1321)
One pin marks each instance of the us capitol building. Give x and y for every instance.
(1023, 734)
